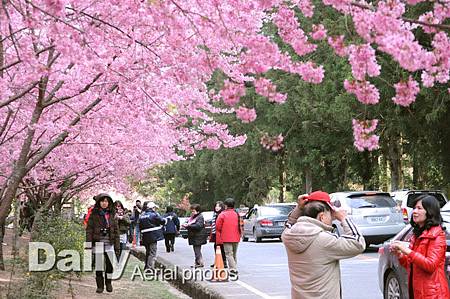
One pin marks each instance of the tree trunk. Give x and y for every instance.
(15, 250)
(395, 156)
(308, 179)
(19, 169)
(282, 176)
(2, 232)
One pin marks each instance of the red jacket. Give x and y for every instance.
(428, 264)
(227, 227)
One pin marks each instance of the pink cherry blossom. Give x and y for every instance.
(318, 32)
(337, 43)
(406, 92)
(364, 91)
(363, 61)
(265, 88)
(231, 93)
(363, 133)
(245, 114)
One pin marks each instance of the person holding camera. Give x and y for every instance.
(197, 234)
(150, 224)
(102, 227)
(314, 251)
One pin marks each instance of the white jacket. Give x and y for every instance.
(314, 252)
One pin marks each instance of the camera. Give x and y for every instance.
(104, 231)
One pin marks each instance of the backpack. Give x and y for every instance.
(86, 218)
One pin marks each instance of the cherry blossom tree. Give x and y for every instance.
(121, 84)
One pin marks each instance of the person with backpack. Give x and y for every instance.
(171, 228)
(228, 232)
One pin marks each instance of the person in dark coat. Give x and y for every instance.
(218, 208)
(197, 234)
(171, 228)
(103, 227)
(150, 225)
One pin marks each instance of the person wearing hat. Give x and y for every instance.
(103, 227)
(314, 251)
(150, 224)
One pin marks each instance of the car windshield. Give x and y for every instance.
(208, 215)
(371, 201)
(275, 210)
(446, 208)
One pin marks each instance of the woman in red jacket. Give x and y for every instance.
(425, 257)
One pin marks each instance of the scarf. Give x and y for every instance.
(105, 217)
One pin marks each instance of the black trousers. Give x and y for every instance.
(108, 268)
(170, 241)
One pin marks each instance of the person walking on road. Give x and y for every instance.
(197, 234)
(218, 208)
(313, 250)
(228, 233)
(171, 228)
(425, 257)
(103, 227)
(150, 225)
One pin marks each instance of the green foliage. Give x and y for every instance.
(61, 234)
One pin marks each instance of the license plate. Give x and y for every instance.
(377, 219)
(280, 223)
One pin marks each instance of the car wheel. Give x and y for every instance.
(392, 288)
(244, 238)
(257, 239)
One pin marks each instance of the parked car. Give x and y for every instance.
(375, 213)
(182, 220)
(266, 221)
(392, 277)
(405, 199)
(207, 216)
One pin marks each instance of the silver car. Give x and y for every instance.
(266, 221)
(375, 213)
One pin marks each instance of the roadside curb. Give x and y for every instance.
(191, 288)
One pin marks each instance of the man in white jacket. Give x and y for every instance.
(314, 251)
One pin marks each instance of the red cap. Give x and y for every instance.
(321, 196)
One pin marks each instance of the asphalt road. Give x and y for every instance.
(263, 270)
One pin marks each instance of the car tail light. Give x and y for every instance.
(405, 215)
(381, 250)
(266, 222)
